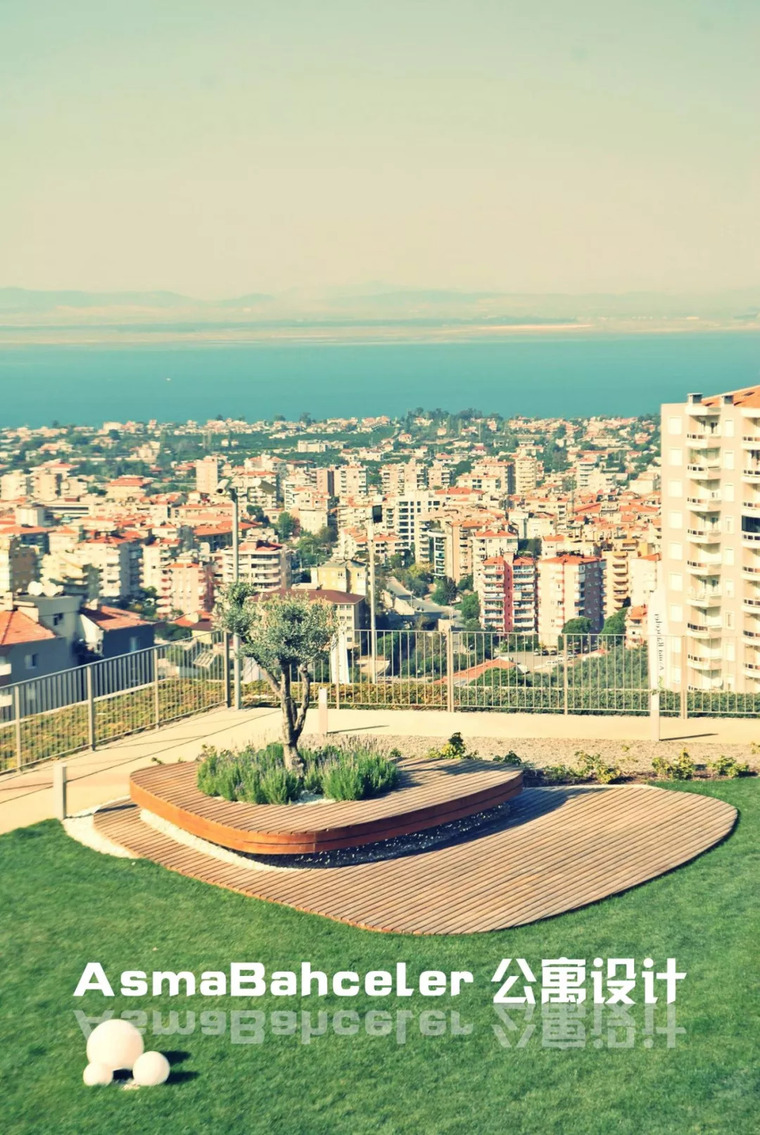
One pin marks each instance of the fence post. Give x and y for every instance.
(227, 685)
(654, 714)
(90, 708)
(17, 719)
(59, 790)
(156, 694)
(565, 674)
(450, 672)
(684, 680)
(322, 704)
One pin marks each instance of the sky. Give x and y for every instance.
(240, 146)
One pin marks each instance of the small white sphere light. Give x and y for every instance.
(115, 1043)
(97, 1074)
(150, 1069)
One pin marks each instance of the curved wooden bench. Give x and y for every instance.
(430, 793)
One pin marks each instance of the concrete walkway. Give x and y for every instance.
(103, 775)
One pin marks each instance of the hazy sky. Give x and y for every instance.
(257, 145)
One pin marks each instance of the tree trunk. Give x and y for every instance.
(290, 732)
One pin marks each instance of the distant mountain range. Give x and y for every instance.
(372, 305)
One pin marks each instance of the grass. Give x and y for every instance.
(62, 905)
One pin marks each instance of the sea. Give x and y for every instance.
(547, 374)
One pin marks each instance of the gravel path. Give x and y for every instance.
(634, 758)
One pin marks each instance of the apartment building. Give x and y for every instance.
(528, 472)
(19, 564)
(488, 543)
(207, 475)
(350, 481)
(191, 585)
(117, 561)
(569, 587)
(265, 565)
(711, 540)
(401, 514)
(507, 593)
(494, 591)
(15, 486)
(524, 595)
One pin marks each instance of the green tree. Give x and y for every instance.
(614, 624)
(577, 631)
(286, 636)
(469, 608)
(285, 526)
(444, 592)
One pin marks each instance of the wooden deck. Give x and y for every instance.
(430, 793)
(559, 849)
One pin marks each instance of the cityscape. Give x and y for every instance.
(519, 527)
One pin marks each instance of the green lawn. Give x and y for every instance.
(62, 905)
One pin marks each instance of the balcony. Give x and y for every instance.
(704, 472)
(710, 502)
(708, 565)
(751, 475)
(706, 663)
(705, 630)
(705, 535)
(704, 439)
(752, 538)
(751, 506)
(6, 669)
(706, 599)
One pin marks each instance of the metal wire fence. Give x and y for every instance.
(75, 709)
(401, 669)
(485, 670)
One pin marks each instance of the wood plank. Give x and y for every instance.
(558, 849)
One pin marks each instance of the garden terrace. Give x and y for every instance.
(430, 793)
(558, 849)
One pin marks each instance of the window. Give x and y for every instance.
(728, 492)
(30, 661)
(675, 520)
(676, 612)
(57, 619)
(676, 581)
(134, 644)
(728, 459)
(728, 556)
(728, 427)
(675, 488)
(674, 426)
(729, 620)
(676, 457)
(676, 551)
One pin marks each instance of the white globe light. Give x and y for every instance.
(97, 1074)
(150, 1069)
(116, 1043)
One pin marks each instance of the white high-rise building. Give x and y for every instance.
(711, 540)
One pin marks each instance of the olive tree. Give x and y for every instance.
(285, 635)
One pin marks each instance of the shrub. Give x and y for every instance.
(680, 768)
(341, 772)
(454, 749)
(255, 776)
(561, 774)
(510, 758)
(593, 767)
(728, 766)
